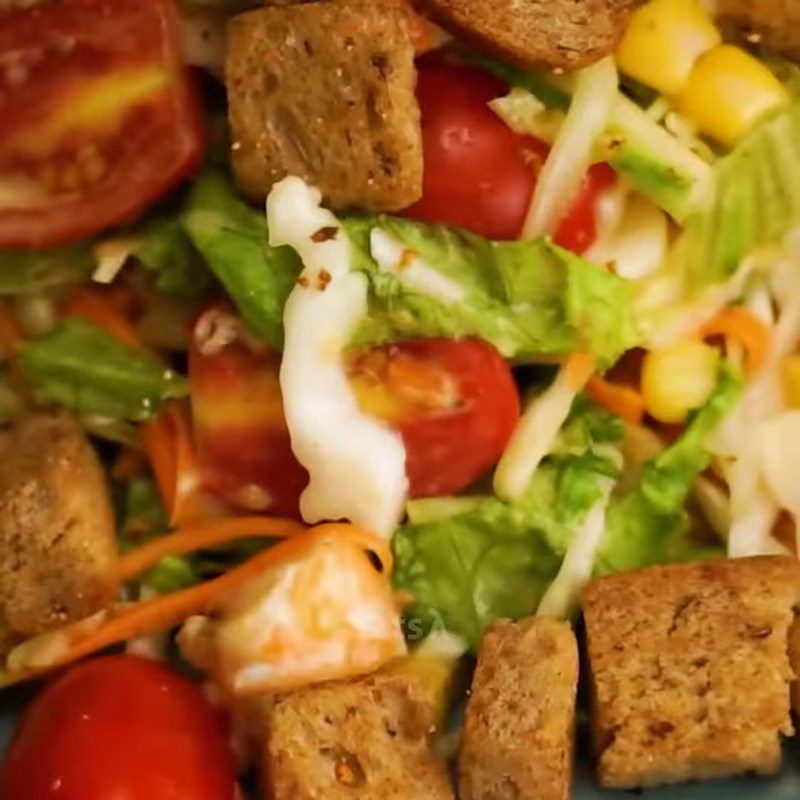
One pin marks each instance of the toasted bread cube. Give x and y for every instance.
(794, 661)
(536, 33)
(520, 719)
(364, 739)
(325, 92)
(57, 544)
(689, 669)
(772, 23)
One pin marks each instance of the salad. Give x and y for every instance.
(346, 345)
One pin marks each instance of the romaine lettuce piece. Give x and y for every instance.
(650, 524)
(28, 271)
(527, 298)
(168, 254)
(496, 559)
(233, 239)
(80, 367)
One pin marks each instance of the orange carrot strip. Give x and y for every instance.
(162, 613)
(10, 340)
(741, 324)
(578, 369)
(198, 537)
(625, 401)
(129, 464)
(169, 444)
(93, 306)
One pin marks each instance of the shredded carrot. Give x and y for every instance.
(162, 613)
(169, 444)
(129, 464)
(578, 369)
(625, 401)
(10, 340)
(739, 323)
(99, 308)
(188, 540)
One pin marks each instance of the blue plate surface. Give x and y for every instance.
(787, 787)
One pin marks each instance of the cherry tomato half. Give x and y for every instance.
(454, 402)
(98, 116)
(119, 727)
(478, 173)
(243, 446)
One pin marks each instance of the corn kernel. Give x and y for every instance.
(663, 40)
(678, 379)
(727, 91)
(435, 677)
(790, 378)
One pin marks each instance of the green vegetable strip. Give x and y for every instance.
(233, 240)
(80, 367)
(529, 298)
(28, 271)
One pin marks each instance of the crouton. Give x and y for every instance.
(57, 546)
(520, 719)
(689, 671)
(794, 661)
(325, 91)
(566, 34)
(364, 739)
(774, 24)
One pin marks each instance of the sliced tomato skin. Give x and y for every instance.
(243, 445)
(449, 448)
(478, 173)
(158, 140)
(119, 727)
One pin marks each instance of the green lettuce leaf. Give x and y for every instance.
(169, 255)
(232, 237)
(527, 298)
(28, 271)
(496, 559)
(650, 524)
(80, 367)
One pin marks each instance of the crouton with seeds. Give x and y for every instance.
(57, 545)
(564, 34)
(520, 719)
(325, 91)
(689, 670)
(363, 739)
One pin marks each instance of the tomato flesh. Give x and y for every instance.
(98, 117)
(243, 446)
(454, 402)
(478, 173)
(119, 727)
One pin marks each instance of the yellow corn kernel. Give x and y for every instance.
(663, 40)
(435, 677)
(727, 91)
(790, 378)
(678, 379)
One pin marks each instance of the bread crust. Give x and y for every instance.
(57, 540)
(535, 34)
(520, 718)
(689, 672)
(325, 91)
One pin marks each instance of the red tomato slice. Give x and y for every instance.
(479, 174)
(98, 117)
(454, 402)
(119, 727)
(243, 446)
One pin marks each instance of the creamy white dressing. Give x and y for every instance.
(356, 464)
